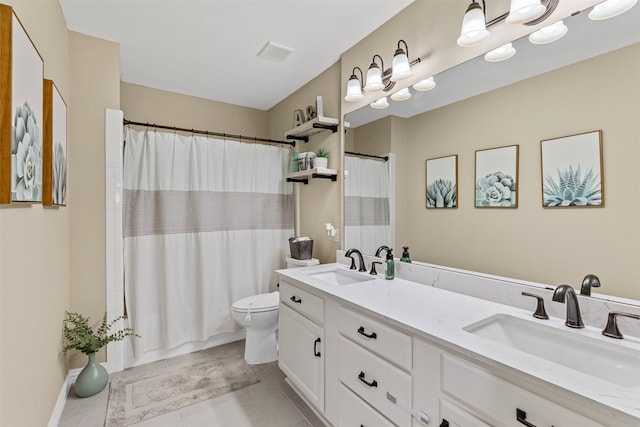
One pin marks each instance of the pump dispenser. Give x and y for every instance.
(405, 254)
(389, 271)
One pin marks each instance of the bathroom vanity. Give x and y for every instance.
(365, 351)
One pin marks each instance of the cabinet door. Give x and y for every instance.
(301, 354)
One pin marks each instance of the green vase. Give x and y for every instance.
(92, 379)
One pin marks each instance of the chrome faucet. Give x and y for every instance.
(565, 293)
(353, 262)
(589, 281)
(380, 249)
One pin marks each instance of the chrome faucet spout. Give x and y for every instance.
(589, 281)
(565, 293)
(349, 254)
(380, 249)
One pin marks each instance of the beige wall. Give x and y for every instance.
(95, 86)
(34, 262)
(320, 201)
(547, 245)
(143, 104)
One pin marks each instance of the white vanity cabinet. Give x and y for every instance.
(374, 369)
(446, 387)
(301, 342)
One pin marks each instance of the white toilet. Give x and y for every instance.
(258, 314)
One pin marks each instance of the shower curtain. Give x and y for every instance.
(368, 203)
(205, 222)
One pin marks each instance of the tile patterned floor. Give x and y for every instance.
(269, 403)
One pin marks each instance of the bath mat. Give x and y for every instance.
(149, 394)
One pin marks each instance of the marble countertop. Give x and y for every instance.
(440, 316)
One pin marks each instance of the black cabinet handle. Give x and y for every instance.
(316, 353)
(444, 423)
(521, 417)
(297, 301)
(373, 335)
(373, 383)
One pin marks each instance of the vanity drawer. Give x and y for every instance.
(500, 400)
(354, 412)
(383, 340)
(375, 380)
(303, 302)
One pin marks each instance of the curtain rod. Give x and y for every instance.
(385, 158)
(206, 132)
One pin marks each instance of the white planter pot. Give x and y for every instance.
(320, 162)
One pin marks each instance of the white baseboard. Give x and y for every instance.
(56, 414)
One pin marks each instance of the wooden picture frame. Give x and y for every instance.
(21, 112)
(442, 182)
(54, 148)
(572, 171)
(496, 177)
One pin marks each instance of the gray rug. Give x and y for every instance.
(150, 394)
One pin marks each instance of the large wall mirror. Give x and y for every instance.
(377, 150)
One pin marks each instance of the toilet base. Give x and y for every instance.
(260, 346)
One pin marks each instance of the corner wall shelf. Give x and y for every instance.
(311, 127)
(303, 176)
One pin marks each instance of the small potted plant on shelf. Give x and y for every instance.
(321, 160)
(79, 335)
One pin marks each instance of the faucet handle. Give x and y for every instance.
(540, 312)
(373, 271)
(611, 330)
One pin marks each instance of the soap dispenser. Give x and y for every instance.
(405, 254)
(389, 271)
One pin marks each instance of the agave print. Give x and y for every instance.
(571, 189)
(59, 193)
(441, 193)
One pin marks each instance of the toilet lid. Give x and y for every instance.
(257, 303)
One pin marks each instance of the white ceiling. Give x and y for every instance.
(208, 48)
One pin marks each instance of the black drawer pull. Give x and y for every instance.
(521, 417)
(296, 300)
(361, 331)
(316, 353)
(373, 383)
(444, 423)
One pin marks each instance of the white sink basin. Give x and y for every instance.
(340, 277)
(603, 359)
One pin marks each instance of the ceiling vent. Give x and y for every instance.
(274, 52)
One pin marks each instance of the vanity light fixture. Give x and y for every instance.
(474, 26)
(425, 85)
(501, 53)
(374, 76)
(401, 67)
(549, 34)
(401, 95)
(522, 11)
(610, 8)
(380, 104)
(354, 87)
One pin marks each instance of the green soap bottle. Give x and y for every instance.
(294, 162)
(405, 254)
(389, 271)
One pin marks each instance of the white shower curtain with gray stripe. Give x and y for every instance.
(368, 203)
(206, 222)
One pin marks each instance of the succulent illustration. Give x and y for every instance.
(571, 189)
(59, 196)
(26, 155)
(441, 193)
(496, 189)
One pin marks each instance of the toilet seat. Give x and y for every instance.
(258, 303)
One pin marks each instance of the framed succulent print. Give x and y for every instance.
(21, 113)
(442, 182)
(572, 173)
(54, 159)
(496, 183)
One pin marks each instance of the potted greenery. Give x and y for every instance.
(321, 160)
(79, 335)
